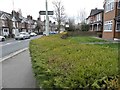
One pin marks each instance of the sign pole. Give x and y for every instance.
(47, 21)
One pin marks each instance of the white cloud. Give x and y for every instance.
(32, 7)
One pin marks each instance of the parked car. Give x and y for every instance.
(39, 33)
(2, 38)
(22, 35)
(33, 34)
(53, 32)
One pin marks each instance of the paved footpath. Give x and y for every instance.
(17, 72)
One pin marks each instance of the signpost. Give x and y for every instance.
(44, 13)
(47, 19)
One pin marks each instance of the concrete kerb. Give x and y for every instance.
(13, 54)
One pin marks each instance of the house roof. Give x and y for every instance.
(96, 11)
(16, 15)
(5, 15)
(1, 13)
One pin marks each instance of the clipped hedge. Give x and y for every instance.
(64, 63)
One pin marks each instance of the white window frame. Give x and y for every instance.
(14, 24)
(99, 17)
(108, 24)
(5, 31)
(109, 6)
(3, 23)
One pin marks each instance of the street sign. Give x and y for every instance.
(44, 12)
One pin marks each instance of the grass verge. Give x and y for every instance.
(64, 63)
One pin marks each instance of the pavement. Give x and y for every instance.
(17, 71)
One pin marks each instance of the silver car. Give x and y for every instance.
(33, 34)
(22, 35)
(2, 38)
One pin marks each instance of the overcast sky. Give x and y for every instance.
(32, 7)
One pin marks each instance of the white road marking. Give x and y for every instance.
(7, 43)
(10, 43)
(12, 54)
(19, 41)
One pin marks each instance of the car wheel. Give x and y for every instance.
(3, 39)
(16, 38)
(23, 38)
(28, 37)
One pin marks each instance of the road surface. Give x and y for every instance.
(16, 72)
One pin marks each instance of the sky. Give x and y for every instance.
(32, 7)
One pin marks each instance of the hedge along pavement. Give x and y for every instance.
(64, 63)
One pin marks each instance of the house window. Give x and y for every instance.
(98, 17)
(119, 4)
(3, 23)
(118, 26)
(5, 30)
(109, 6)
(17, 24)
(108, 25)
(14, 24)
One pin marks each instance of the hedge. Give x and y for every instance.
(64, 63)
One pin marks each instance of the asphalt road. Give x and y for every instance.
(12, 45)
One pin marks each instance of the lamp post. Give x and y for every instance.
(47, 21)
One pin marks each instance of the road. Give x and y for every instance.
(16, 72)
(12, 45)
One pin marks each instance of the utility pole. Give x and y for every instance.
(47, 21)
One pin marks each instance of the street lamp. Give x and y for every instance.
(47, 21)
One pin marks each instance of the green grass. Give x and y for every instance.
(64, 63)
(85, 39)
(111, 45)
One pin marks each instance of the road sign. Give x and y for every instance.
(44, 12)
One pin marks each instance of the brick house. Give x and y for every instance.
(12, 24)
(95, 20)
(5, 24)
(30, 24)
(24, 25)
(111, 24)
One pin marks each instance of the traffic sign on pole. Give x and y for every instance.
(44, 13)
(47, 21)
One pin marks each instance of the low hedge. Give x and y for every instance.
(64, 63)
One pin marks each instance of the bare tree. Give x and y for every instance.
(81, 16)
(59, 12)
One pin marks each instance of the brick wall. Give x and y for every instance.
(109, 16)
